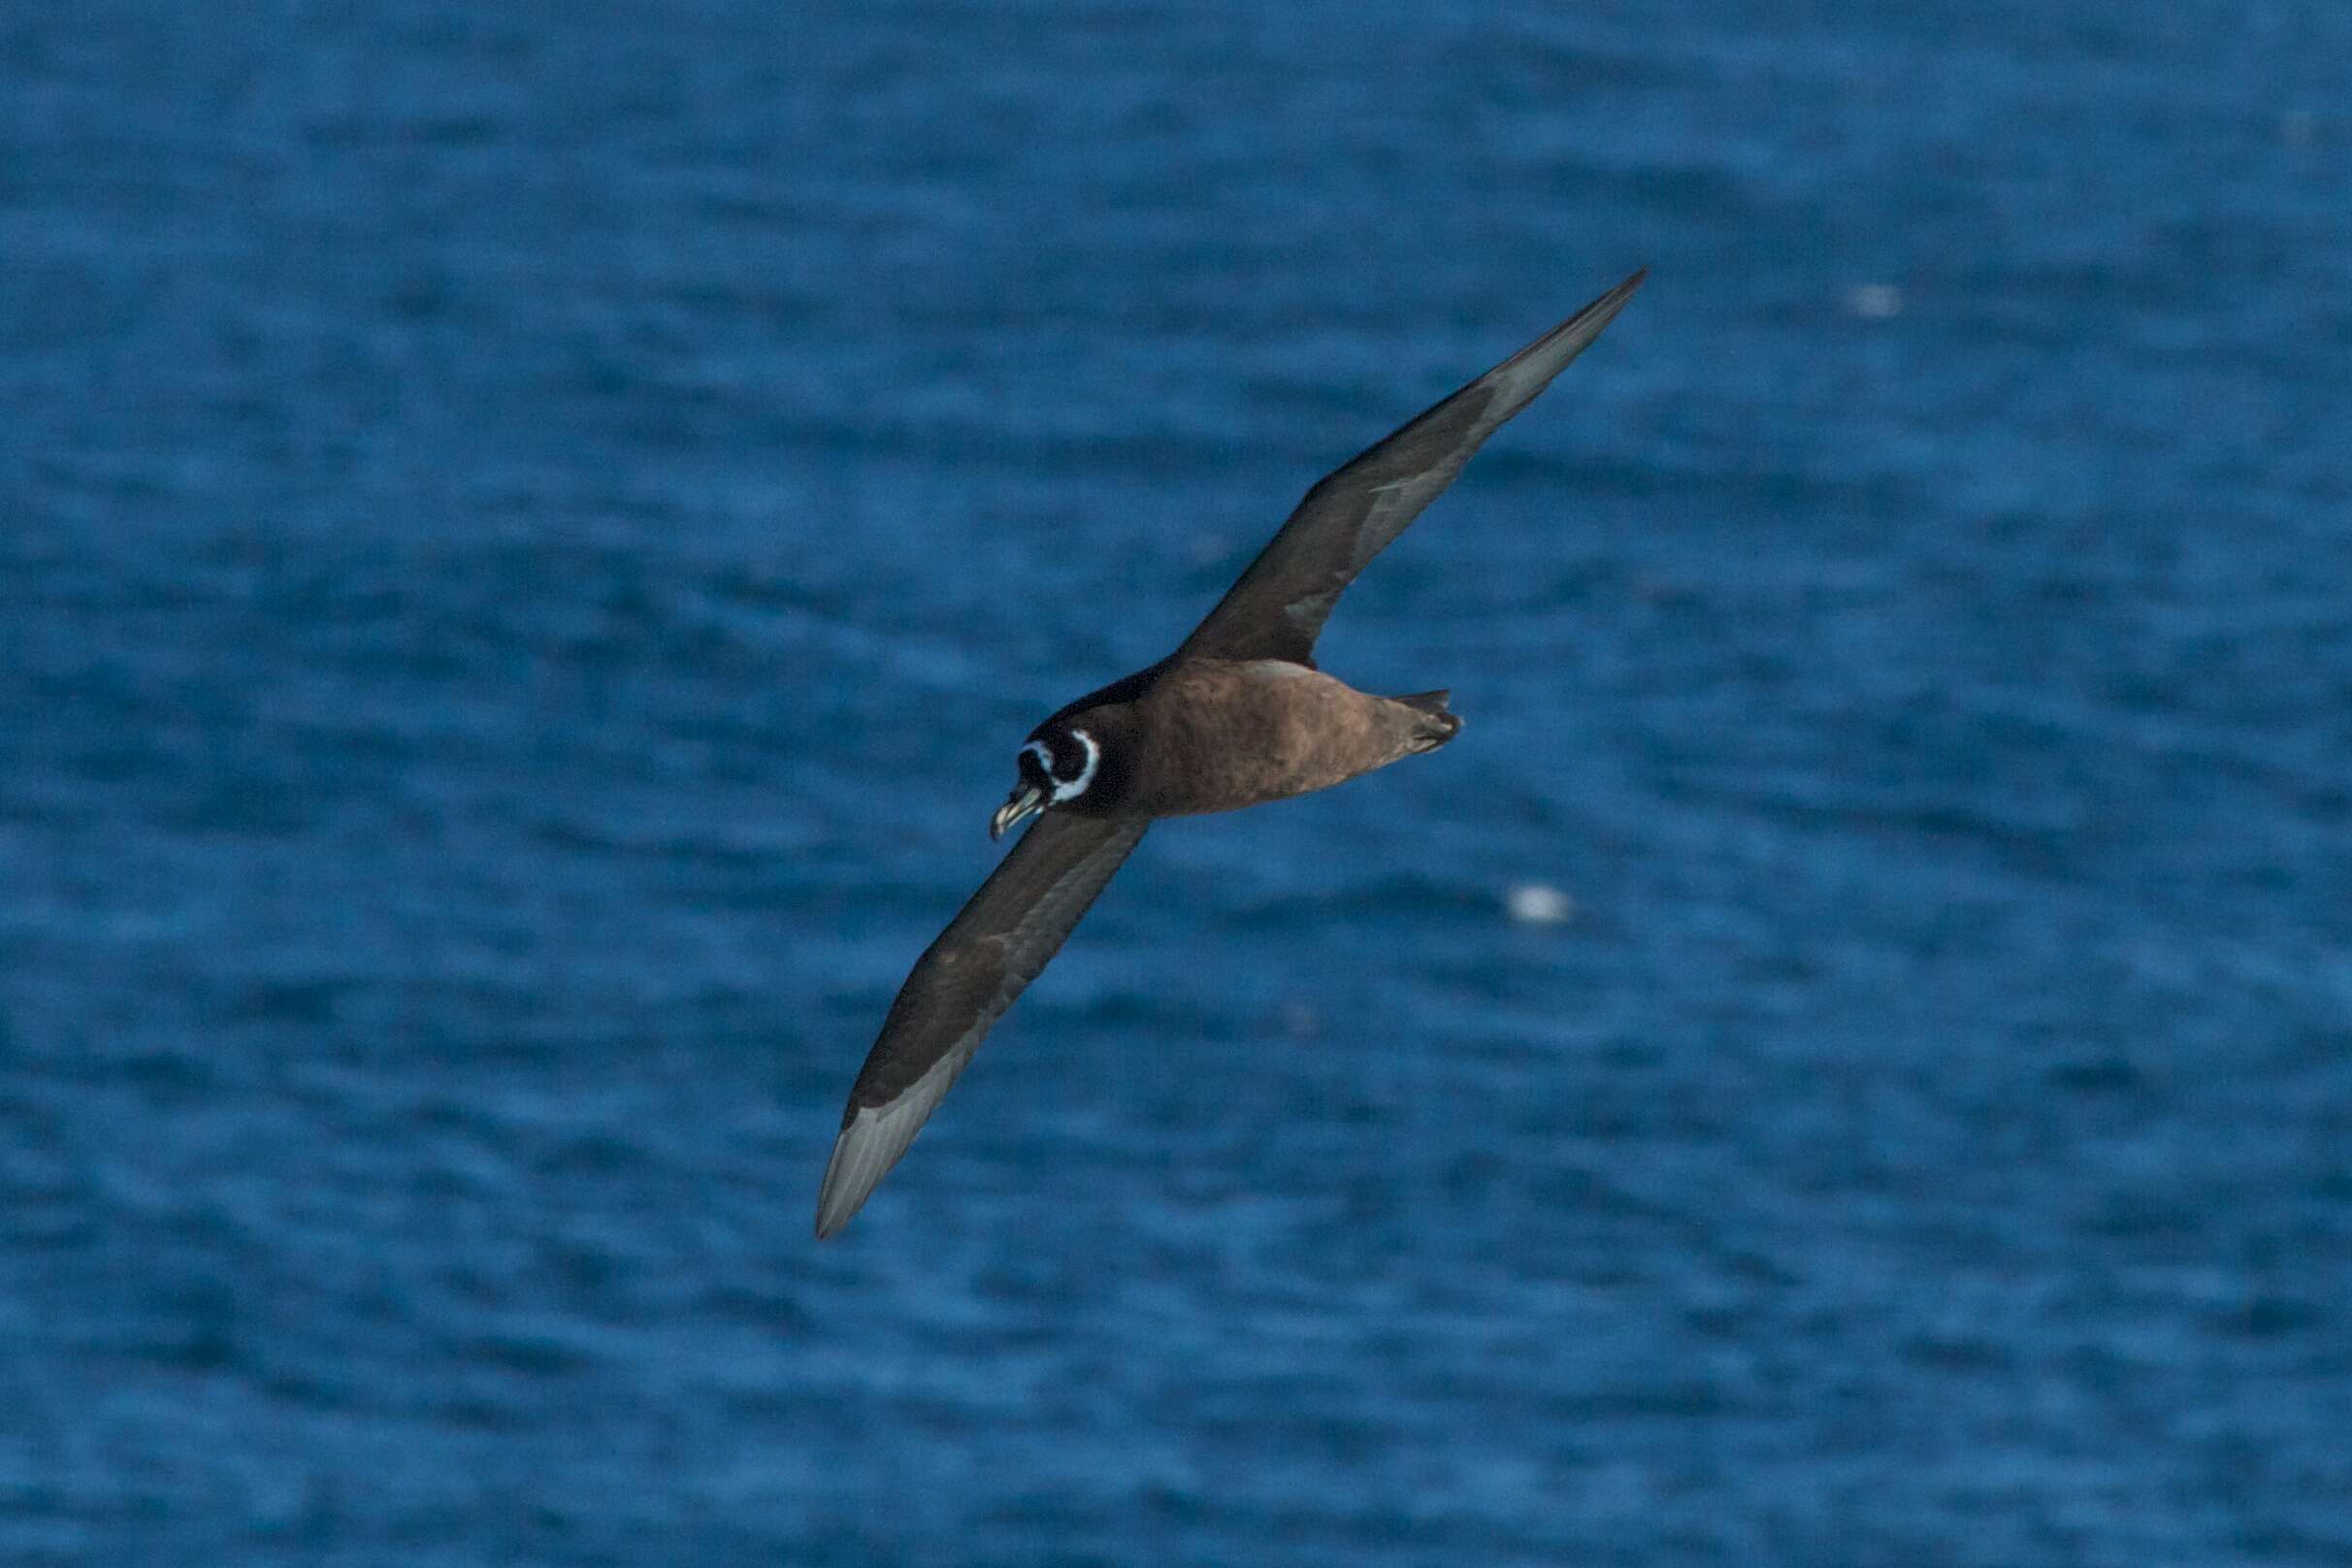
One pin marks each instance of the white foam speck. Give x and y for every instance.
(1874, 302)
(1209, 548)
(1300, 1021)
(1538, 903)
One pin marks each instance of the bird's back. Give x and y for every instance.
(1216, 735)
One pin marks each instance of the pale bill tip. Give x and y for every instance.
(1024, 803)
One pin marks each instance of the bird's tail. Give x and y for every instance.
(1437, 726)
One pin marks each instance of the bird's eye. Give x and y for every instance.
(1063, 764)
(1078, 769)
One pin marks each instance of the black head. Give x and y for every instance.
(1059, 762)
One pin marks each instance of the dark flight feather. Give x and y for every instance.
(1278, 606)
(959, 989)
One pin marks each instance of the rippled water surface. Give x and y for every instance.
(529, 538)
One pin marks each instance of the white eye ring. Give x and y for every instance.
(1067, 789)
(1086, 775)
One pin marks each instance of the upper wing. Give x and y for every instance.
(1278, 607)
(959, 988)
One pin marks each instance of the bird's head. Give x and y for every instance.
(1058, 762)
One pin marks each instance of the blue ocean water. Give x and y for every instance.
(529, 538)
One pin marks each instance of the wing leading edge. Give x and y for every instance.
(1000, 941)
(1277, 608)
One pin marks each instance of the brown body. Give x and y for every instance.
(1216, 734)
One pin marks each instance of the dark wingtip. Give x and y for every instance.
(1624, 290)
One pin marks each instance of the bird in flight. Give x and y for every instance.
(1237, 715)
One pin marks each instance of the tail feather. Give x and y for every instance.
(1440, 726)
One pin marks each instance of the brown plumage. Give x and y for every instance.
(1238, 715)
(1178, 743)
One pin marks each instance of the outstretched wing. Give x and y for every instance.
(961, 986)
(1278, 606)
